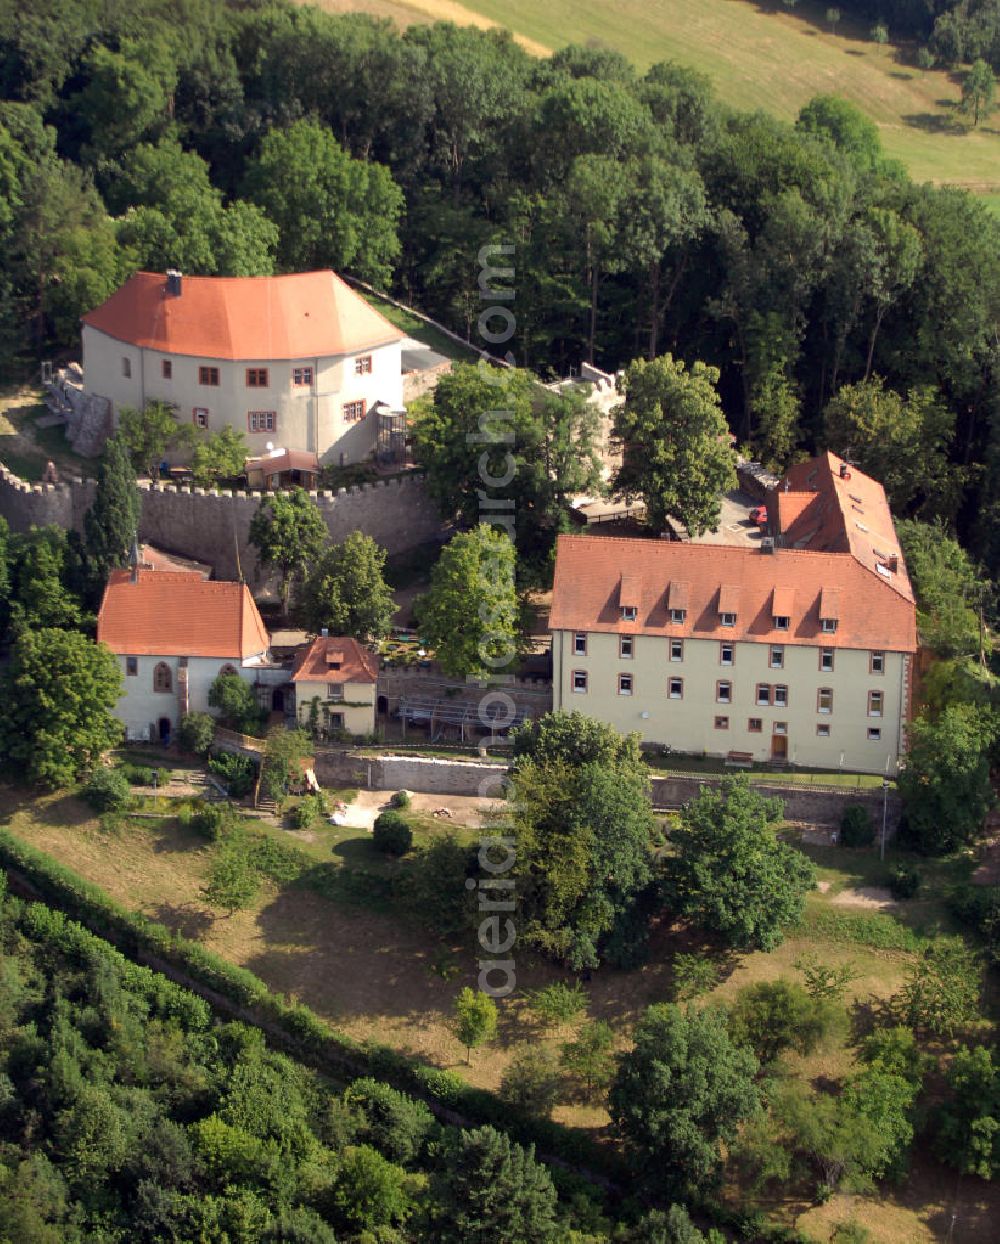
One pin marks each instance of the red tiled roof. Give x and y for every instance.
(315, 663)
(729, 598)
(589, 568)
(170, 613)
(301, 315)
(829, 506)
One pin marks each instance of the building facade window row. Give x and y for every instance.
(766, 695)
(727, 652)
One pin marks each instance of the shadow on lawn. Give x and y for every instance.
(187, 919)
(935, 123)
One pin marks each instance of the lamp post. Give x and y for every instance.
(885, 808)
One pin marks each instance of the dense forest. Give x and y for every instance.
(129, 1113)
(251, 137)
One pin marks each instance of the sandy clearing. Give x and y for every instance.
(874, 897)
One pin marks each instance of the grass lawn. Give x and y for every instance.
(376, 975)
(420, 330)
(759, 55)
(26, 448)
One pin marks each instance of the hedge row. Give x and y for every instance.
(303, 1030)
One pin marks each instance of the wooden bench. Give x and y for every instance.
(739, 760)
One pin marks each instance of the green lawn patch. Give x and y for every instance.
(418, 328)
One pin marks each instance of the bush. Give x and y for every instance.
(779, 1015)
(392, 834)
(532, 1081)
(904, 881)
(235, 771)
(309, 810)
(856, 826)
(209, 820)
(137, 775)
(401, 800)
(978, 908)
(394, 1123)
(694, 975)
(107, 790)
(196, 732)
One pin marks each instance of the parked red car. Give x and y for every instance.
(758, 515)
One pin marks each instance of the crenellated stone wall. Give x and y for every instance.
(211, 526)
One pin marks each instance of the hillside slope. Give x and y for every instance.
(758, 56)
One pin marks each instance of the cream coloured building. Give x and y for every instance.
(335, 681)
(299, 361)
(173, 633)
(800, 651)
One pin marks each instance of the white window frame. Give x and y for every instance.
(579, 643)
(579, 676)
(679, 695)
(722, 653)
(677, 645)
(626, 647)
(776, 657)
(625, 685)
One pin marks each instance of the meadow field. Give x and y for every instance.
(759, 55)
(374, 973)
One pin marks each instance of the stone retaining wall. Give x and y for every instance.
(211, 526)
(821, 806)
(812, 805)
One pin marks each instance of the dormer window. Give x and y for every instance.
(782, 604)
(729, 604)
(677, 602)
(629, 594)
(829, 610)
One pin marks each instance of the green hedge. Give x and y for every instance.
(301, 1029)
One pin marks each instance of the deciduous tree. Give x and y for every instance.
(675, 442)
(731, 875)
(475, 1019)
(332, 211)
(147, 434)
(289, 534)
(945, 785)
(470, 614)
(680, 1092)
(59, 694)
(346, 591)
(979, 91)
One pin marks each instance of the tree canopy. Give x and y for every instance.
(730, 874)
(470, 614)
(680, 1092)
(346, 590)
(289, 533)
(675, 442)
(59, 694)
